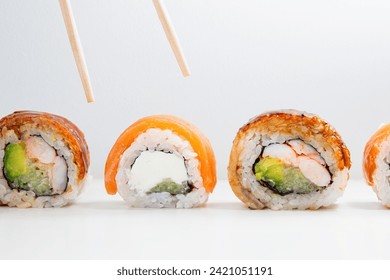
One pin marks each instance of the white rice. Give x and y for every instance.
(26, 199)
(155, 139)
(253, 144)
(381, 176)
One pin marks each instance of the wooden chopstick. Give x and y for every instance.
(77, 48)
(172, 37)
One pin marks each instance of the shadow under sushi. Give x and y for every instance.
(101, 205)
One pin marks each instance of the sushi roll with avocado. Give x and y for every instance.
(161, 161)
(288, 160)
(376, 163)
(44, 160)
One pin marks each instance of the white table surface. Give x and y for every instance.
(99, 226)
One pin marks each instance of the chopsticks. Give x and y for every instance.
(171, 36)
(78, 53)
(77, 49)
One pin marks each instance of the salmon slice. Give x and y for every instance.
(182, 128)
(372, 150)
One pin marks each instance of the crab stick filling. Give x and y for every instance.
(33, 165)
(292, 167)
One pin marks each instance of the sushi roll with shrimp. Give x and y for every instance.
(44, 160)
(288, 160)
(376, 163)
(161, 161)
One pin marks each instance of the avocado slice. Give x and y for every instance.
(270, 169)
(282, 178)
(23, 174)
(15, 161)
(36, 179)
(167, 185)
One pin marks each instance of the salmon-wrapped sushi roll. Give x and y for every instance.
(44, 160)
(161, 161)
(288, 160)
(376, 163)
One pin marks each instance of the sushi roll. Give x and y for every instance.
(44, 160)
(288, 160)
(161, 161)
(376, 163)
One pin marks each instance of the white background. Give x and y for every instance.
(328, 57)
(99, 226)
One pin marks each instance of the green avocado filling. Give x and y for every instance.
(167, 185)
(282, 178)
(24, 174)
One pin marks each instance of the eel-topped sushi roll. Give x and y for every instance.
(288, 160)
(44, 160)
(161, 161)
(376, 163)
